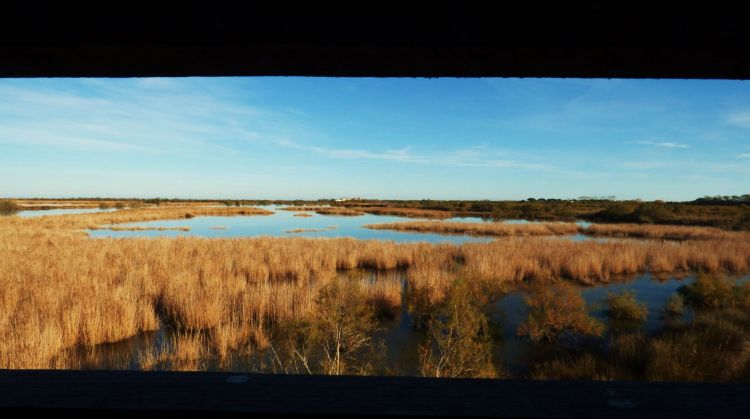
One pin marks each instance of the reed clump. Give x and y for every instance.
(142, 228)
(405, 212)
(481, 229)
(675, 306)
(555, 309)
(310, 230)
(663, 232)
(625, 306)
(324, 210)
(8, 207)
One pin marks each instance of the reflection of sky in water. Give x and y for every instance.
(281, 221)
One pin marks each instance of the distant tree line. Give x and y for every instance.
(729, 212)
(724, 200)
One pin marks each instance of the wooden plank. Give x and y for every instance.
(123, 391)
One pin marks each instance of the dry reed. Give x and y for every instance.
(663, 232)
(310, 230)
(405, 212)
(141, 228)
(481, 229)
(324, 210)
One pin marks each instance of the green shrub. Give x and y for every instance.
(8, 207)
(624, 306)
(459, 342)
(554, 309)
(708, 292)
(675, 305)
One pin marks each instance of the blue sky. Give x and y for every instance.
(289, 137)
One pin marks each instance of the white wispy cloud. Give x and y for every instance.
(402, 155)
(665, 144)
(644, 165)
(740, 118)
(743, 156)
(123, 116)
(41, 138)
(474, 156)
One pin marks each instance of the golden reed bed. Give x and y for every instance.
(323, 210)
(405, 212)
(107, 219)
(355, 211)
(641, 231)
(481, 229)
(60, 289)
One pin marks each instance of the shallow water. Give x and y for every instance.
(279, 224)
(61, 211)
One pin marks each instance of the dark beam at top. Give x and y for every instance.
(530, 39)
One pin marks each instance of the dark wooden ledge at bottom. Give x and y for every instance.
(218, 394)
